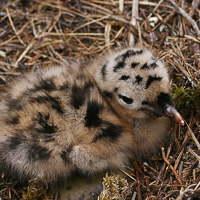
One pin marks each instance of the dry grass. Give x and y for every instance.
(36, 33)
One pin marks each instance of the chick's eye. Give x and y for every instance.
(127, 100)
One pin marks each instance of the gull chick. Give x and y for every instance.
(87, 118)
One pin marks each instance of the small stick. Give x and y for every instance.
(179, 49)
(180, 154)
(190, 170)
(189, 19)
(107, 32)
(173, 170)
(147, 184)
(137, 167)
(147, 21)
(133, 21)
(58, 55)
(180, 168)
(195, 46)
(127, 174)
(13, 27)
(158, 4)
(193, 136)
(194, 154)
(24, 52)
(78, 3)
(147, 165)
(164, 164)
(121, 6)
(184, 71)
(138, 186)
(134, 195)
(195, 5)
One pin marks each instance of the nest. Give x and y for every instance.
(37, 33)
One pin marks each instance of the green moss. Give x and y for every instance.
(187, 99)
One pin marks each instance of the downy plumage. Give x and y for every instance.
(87, 118)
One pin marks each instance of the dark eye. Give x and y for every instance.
(127, 100)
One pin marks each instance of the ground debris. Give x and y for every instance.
(35, 34)
(115, 187)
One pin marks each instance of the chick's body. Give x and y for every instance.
(90, 118)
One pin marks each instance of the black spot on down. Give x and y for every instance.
(65, 157)
(78, 97)
(110, 131)
(14, 104)
(65, 154)
(103, 72)
(54, 102)
(134, 65)
(138, 79)
(14, 141)
(119, 65)
(79, 94)
(151, 66)
(151, 79)
(130, 53)
(46, 126)
(37, 152)
(45, 84)
(12, 120)
(121, 59)
(92, 115)
(145, 67)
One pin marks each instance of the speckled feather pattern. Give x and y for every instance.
(87, 118)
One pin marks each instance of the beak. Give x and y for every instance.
(173, 113)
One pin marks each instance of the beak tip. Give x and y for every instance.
(172, 112)
(182, 122)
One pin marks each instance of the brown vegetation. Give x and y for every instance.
(37, 33)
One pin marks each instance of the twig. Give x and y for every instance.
(24, 52)
(180, 168)
(195, 6)
(167, 156)
(193, 136)
(195, 46)
(134, 195)
(194, 154)
(189, 19)
(121, 6)
(184, 72)
(133, 21)
(13, 27)
(58, 55)
(147, 184)
(107, 33)
(147, 165)
(137, 167)
(173, 170)
(190, 170)
(180, 155)
(127, 174)
(138, 189)
(158, 4)
(78, 4)
(192, 38)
